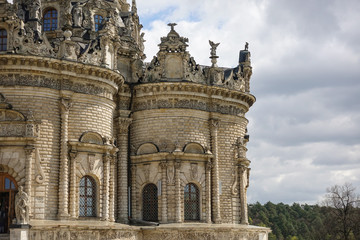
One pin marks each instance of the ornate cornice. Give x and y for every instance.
(54, 68)
(191, 96)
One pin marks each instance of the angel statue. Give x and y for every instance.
(213, 48)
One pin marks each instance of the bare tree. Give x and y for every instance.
(343, 203)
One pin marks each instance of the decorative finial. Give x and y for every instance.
(246, 46)
(172, 25)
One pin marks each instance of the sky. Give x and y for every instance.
(305, 125)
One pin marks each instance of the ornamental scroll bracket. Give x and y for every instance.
(40, 176)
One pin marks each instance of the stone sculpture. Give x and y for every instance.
(22, 207)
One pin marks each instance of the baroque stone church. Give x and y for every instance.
(97, 144)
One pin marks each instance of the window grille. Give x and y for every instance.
(150, 203)
(191, 202)
(98, 22)
(87, 205)
(3, 40)
(50, 20)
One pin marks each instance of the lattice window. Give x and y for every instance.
(150, 203)
(50, 20)
(98, 22)
(3, 40)
(191, 202)
(87, 204)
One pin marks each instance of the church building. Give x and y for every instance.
(96, 143)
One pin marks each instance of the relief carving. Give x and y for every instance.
(146, 170)
(91, 162)
(193, 171)
(170, 172)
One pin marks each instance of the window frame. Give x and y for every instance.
(146, 206)
(83, 198)
(192, 202)
(3, 44)
(98, 18)
(50, 19)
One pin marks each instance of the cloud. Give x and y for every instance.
(305, 124)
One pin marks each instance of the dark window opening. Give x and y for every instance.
(191, 202)
(150, 203)
(87, 204)
(50, 20)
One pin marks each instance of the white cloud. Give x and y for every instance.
(305, 124)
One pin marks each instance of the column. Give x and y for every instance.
(73, 185)
(112, 190)
(208, 190)
(63, 210)
(243, 179)
(133, 192)
(106, 170)
(122, 173)
(163, 166)
(214, 124)
(177, 191)
(29, 150)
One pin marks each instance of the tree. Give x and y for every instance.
(343, 203)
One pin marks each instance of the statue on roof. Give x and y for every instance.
(213, 48)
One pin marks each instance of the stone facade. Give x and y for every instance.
(99, 141)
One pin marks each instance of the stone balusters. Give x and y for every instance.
(214, 124)
(63, 210)
(163, 166)
(122, 174)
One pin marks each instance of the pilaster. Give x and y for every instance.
(122, 174)
(163, 165)
(208, 190)
(112, 190)
(73, 185)
(106, 176)
(244, 181)
(178, 191)
(214, 124)
(133, 192)
(29, 150)
(63, 210)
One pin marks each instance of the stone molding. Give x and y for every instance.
(191, 96)
(58, 74)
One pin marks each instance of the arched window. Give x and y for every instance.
(87, 203)
(191, 202)
(3, 40)
(50, 21)
(98, 22)
(150, 203)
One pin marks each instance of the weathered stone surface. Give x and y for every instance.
(77, 104)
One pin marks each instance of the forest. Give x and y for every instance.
(336, 218)
(300, 222)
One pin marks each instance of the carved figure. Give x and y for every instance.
(194, 171)
(246, 46)
(22, 207)
(35, 12)
(213, 48)
(170, 174)
(77, 13)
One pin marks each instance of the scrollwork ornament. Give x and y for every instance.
(40, 176)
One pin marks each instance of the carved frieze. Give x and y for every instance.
(187, 104)
(39, 81)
